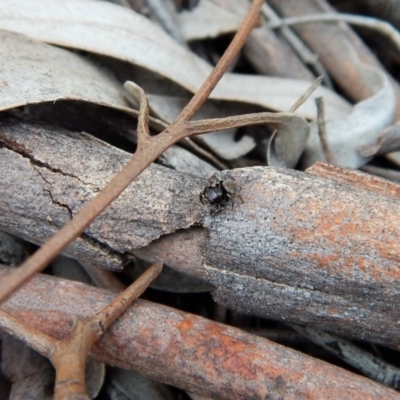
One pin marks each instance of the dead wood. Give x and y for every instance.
(148, 149)
(61, 171)
(185, 350)
(69, 354)
(316, 250)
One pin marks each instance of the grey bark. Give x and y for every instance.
(288, 245)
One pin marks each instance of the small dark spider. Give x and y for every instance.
(216, 196)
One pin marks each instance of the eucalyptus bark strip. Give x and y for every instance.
(289, 245)
(148, 149)
(188, 351)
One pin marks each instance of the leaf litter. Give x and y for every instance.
(354, 133)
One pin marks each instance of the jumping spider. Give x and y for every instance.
(216, 196)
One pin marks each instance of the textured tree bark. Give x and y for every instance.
(188, 351)
(49, 173)
(287, 245)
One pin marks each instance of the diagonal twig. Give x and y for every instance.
(149, 148)
(69, 355)
(323, 136)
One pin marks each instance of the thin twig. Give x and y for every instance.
(306, 94)
(367, 363)
(149, 148)
(323, 137)
(34, 338)
(70, 354)
(233, 49)
(385, 28)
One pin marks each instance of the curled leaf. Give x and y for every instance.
(106, 29)
(33, 72)
(361, 128)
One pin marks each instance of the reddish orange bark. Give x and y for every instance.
(189, 351)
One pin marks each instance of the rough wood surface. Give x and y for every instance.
(188, 351)
(50, 174)
(308, 249)
(289, 245)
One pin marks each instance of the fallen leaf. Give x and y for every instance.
(208, 20)
(114, 31)
(361, 128)
(33, 72)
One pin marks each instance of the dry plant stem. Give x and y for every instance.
(378, 25)
(149, 148)
(307, 94)
(219, 124)
(70, 354)
(35, 338)
(189, 349)
(323, 137)
(237, 43)
(367, 363)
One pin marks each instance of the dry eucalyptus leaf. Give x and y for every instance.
(95, 374)
(12, 250)
(106, 29)
(208, 20)
(388, 140)
(361, 128)
(183, 160)
(287, 145)
(135, 386)
(34, 72)
(394, 157)
(31, 375)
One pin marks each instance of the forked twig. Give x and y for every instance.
(323, 136)
(149, 148)
(70, 354)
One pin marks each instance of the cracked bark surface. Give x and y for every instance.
(293, 246)
(56, 171)
(188, 351)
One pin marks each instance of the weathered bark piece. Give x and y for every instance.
(307, 249)
(330, 41)
(188, 351)
(55, 172)
(287, 245)
(356, 179)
